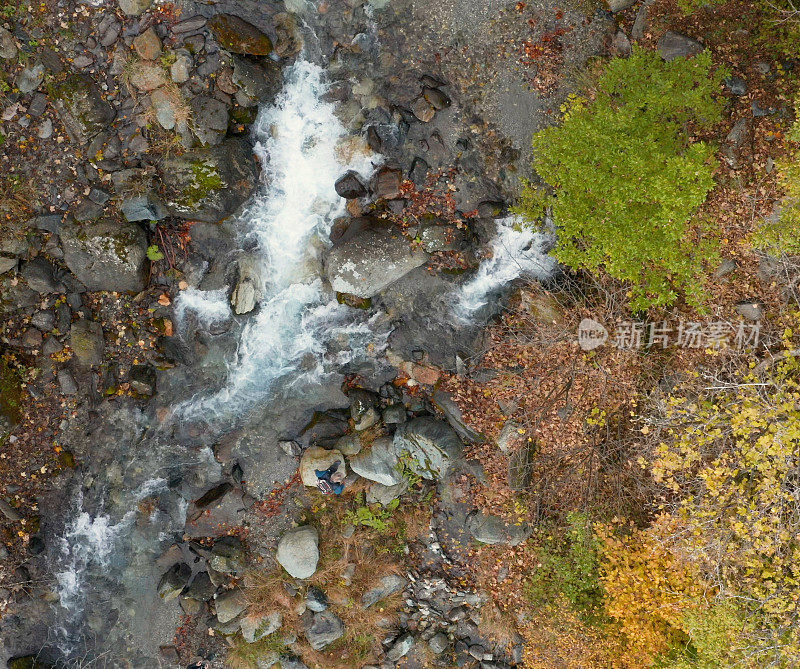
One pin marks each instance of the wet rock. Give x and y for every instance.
(257, 626)
(209, 184)
(30, 78)
(378, 463)
(316, 458)
(174, 581)
(751, 310)
(674, 45)
(430, 445)
(147, 76)
(492, 530)
(298, 552)
(106, 255)
(388, 586)
(386, 183)
(86, 342)
(66, 382)
(325, 628)
(134, 7)
(289, 39)
(239, 36)
(81, 107)
(229, 604)
(350, 186)
(261, 83)
(247, 291)
(8, 46)
(400, 648)
(423, 110)
(142, 379)
(209, 120)
(372, 260)
(201, 588)
(436, 98)
(147, 45)
(44, 320)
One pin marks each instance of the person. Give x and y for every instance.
(331, 480)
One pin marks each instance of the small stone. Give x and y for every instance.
(238, 36)
(436, 98)
(181, 69)
(174, 581)
(388, 586)
(350, 186)
(423, 110)
(83, 61)
(66, 382)
(255, 627)
(400, 648)
(134, 7)
(316, 599)
(110, 34)
(394, 414)
(326, 627)
(736, 85)
(29, 79)
(45, 130)
(674, 45)
(148, 45)
(86, 341)
(438, 643)
(751, 310)
(201, 587)
(147, 76)
(8, 46)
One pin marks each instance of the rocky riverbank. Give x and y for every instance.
(136, 533)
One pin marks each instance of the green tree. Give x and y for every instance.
(625, 179)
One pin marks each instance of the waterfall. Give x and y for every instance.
(517, 250)
(298, 328)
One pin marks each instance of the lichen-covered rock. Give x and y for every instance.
(106, 255)
(370, 261)
(239, 36)
(428, 446)
(378, 463)
(81, 107)
(209, 184)
(86, 342)
(134, 7)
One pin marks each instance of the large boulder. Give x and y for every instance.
(238, 36)
(260, 82)
(106, 255)
(316, 458)
(428, 446)
(298, 551)
(370, 261)
(209, 184)
(378, 463)
(81, 107)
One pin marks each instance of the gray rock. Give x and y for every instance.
(40, 274)
(66, 382)
(494, 530)
(383, 494)
(81, 107)
(106, 255)
(394, 414)
(370, 261)
(261, 83)
(386, 183)
(423, 110)
(441, 238)
(44, 320)
(445, 403)
(45, 130)
(738, 133)
(29, 79)
(400, 648)
(291, 662)
(438, 643)
(255, 627)
(181, 69)
(8, 45)
(209, 184)
(674, 45)
(209, 120)
(166, 107)
(134, 7)
(298, 552)
(378, 463)
(142, 379)
(429, 446)
(230, 604)
(726, 267)
(174, 581)
(7, 264)
(86, 342)
(349, 445)
(388, 586)
(350, 186)
(201, 588)
(146, 76)
(736, 85)
(620, 5)
(189, 25)
(751, 310)
(316, 600)
(146, 207)
(325, 628)
(247, 292)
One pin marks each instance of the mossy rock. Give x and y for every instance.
(82, 109)
(209, 184)
(11, 393)
(239, 36)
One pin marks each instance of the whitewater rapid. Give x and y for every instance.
(299, 328)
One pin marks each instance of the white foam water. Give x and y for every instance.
(207, 306)
(517, 250)
(299, 141)
(87, 544)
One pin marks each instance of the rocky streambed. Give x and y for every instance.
(308, 202)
